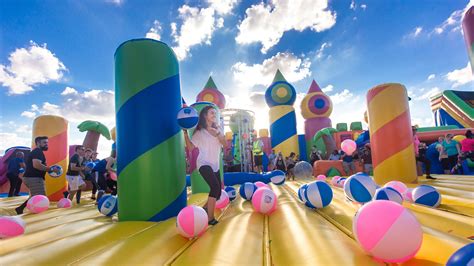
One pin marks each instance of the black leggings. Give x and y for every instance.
(427, 163)
(213, 179)
(15, 184)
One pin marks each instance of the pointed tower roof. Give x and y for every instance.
(314, 87)
(278, 76)
(210, 84)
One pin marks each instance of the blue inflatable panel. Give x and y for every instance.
(433, 156)
(302, 146)
(188, 180)
(231, 179)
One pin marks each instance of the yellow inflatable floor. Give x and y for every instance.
(293, 235)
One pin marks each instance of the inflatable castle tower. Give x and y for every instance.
(316, 108)
(280, 97)
(211, 94)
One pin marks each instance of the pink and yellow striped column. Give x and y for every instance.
(56, 129)
(391, 137)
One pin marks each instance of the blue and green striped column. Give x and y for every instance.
(150, 159)
(198, 184)
(280, 97)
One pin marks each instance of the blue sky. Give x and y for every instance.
(56, 57)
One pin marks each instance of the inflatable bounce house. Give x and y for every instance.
(393, 215)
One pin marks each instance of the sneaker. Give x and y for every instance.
(18, 211)
(430, 177)
(213, 222)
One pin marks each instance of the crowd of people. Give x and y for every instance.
(83, 167)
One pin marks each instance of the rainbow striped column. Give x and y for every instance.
(468, 29)
(150, 145)
(280, 97)
(56, 129)
(198, 185)
(391, 137)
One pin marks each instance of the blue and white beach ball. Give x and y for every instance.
(301, 191)
(188, 117)
(388, 193)
(278, 177)
(108, 205)
(231, 192)
(246, 190)
(426, 195)
(318, 194)
(360, 188)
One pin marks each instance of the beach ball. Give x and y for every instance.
(278, 178)
(321, 178)
(303, 169)
(318, 194)
(54, 167)
(301, 194)
(223, 200)
(260, 184)
(426, 195)
(408, 195)
(191, 221)
(11, 226)
(264, 201)
(348, 146)
(246, 190)
(231, 192)
(21, 170)
(38, 204)
(113, 175)
(64, 203)
(108, 205)
(188, 117)
(387, 231)
(359, 188)
(398, 186)
(388, 193)
(341, 181)
(334, 180)
(464, 256)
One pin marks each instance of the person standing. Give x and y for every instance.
(257, 150)
(209, 139)
(13, 173)
(271, 161)
(290, 164)
(36, 169)
(453, 150)
(420, 153)
(101, 170)
(335, 156)
(467, 145)
(366, 159)
(280, 163)
(348, 163)
(73, 175)
(314, 156)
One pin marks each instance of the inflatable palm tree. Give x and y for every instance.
(324, 141)
(94, 130)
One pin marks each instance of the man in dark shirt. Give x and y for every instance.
(36, 169)
(16, 166)
(74, 173)
(366, 159)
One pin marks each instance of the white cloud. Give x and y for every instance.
(223, 6)
(461, 76)
(353, 5)
(77, 107)
(30, 66)
(328, 88)
(414, 33)
(426, 94)
(324, 46)
(432, 76)
(363, 6)
(23, 129)
(28, 114)
(115, 2)
(12, 139)
(453, 22)
(292, 67)
(198, 25)
(155, 31)
(69, 91)
(341, 97)
(266, 23)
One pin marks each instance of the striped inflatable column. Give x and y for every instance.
(280, 97)
(391, 137)
(150, 145)
(56, 129)
(198, 185)
(468, 29)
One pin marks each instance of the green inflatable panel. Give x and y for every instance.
(332, 172)
(341, 127)
(356, 126)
